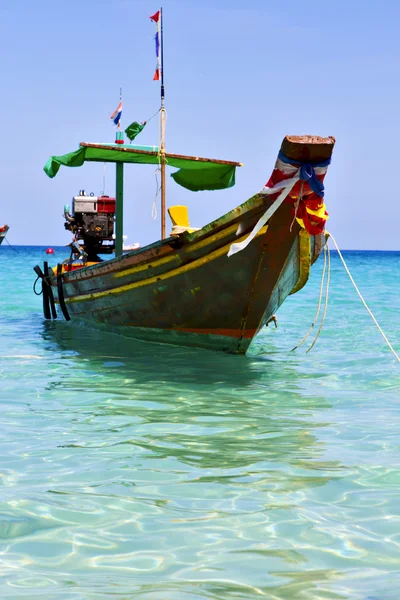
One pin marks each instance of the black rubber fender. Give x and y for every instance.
(49, 290)
(60, 290)
(45, 293)
(46, 300)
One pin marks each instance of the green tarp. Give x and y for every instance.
(194, 175)
(207, 176)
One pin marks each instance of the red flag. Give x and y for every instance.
(155, 17)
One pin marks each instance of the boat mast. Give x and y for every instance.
(162, 124)
(119, 185)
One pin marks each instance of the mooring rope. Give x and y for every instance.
(319, 304)
(328, 279)
(361, 298)
(12, 248)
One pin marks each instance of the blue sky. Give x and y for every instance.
(238, 76)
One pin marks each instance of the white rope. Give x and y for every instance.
(163, 126)
(326, 300)
(285, 185)
(362, 299)
(158, 170)
(321, 288)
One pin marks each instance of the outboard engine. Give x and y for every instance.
(92, 223)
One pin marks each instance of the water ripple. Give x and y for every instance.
(138, 470)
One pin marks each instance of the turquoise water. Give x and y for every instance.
(135, 470)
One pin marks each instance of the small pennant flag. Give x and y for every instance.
(134, 129)
(156, 18)
(116, 116)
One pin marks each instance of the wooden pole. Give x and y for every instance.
(162, 123)
(163, 175)
(119, 216)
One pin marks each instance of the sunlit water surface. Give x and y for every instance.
(136, 470)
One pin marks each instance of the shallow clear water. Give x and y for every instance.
(135, 470)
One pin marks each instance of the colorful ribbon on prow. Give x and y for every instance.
(295, 182)
(307, 193)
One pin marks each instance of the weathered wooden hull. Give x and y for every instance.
(186, 290)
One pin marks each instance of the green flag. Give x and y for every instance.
(134, 129)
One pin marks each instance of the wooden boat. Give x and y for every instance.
(3, 232)
(213, 287)
(186, 289)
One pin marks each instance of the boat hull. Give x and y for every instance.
(189, 292)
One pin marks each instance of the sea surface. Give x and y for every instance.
(146, 471)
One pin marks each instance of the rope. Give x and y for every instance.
(362, 299)
(284, 186)
(12, 248)
(158, 170)
(152, 117)
(163, 126)
(328, 279)
(319, 304)
(34, 287)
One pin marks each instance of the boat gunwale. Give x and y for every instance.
(168, 274)
(169, 246)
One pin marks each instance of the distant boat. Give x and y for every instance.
(3, 232)
(128, 247)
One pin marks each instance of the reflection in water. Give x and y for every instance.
(185, 388)
(166, 472)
